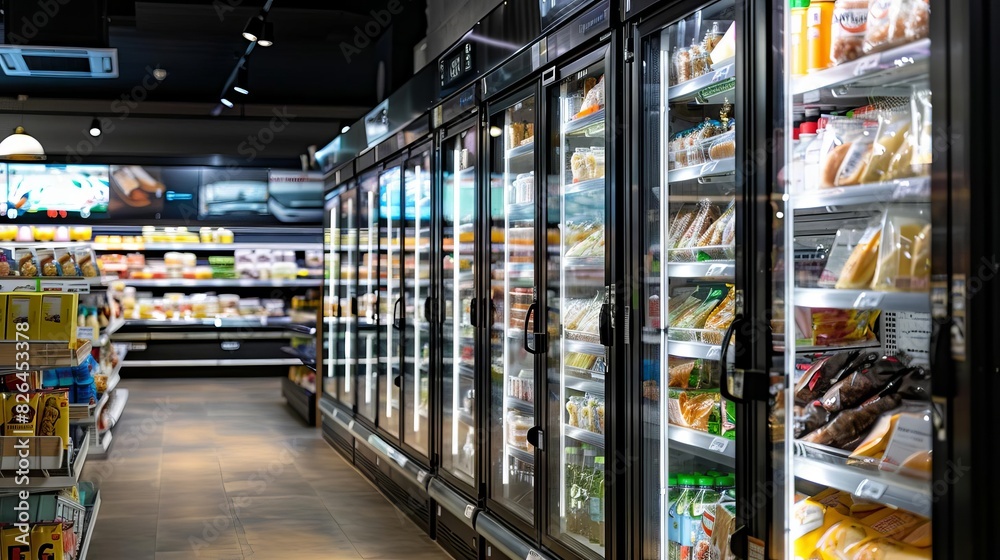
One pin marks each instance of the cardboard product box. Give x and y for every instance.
(47, 541)
(58, 317)
(23, 307)
(698, 409)
(53, 416)
(16, 546)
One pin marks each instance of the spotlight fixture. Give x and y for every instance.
(226, 102)
(255, 27)
(345, 129)
(95, 128)
(242, 81)
(267, 39)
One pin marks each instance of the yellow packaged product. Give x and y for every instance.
(860, 267)
(887, 549)
(893, 130)
(810, 520)
(20, 414)
(901, 232)
(890, 521)
(58, 317)
(720, 319)
(838, 542)
(53, 416)
(47, 541)
(23, 309)
(16, 545)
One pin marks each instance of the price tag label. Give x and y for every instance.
(68, 286)
(714, 353)
(421, 476)
(716, 270)
(811, 96)
(870, 489)
(866, 65)
(469, 510)
(755, 549)
(722, 73)
(532, 555)
(137, 347)
(87, 333)
(868, 300)
(19, 285)
(719, 445)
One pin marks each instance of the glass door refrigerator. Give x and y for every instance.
(389, 298)
(685, 278)
(456, 265)
(861, 443)
(343, 323)
(575, 309)
(366, 364)
(513, 308)
(332, 339)
(413, 320)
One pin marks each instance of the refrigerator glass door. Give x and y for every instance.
(853, 202)
(458, 289)
(576, 218)
(390, 298)
(416, 294)
(344, 348)
(366, 364)
(512, 297)
(686, 276)
(333, 341)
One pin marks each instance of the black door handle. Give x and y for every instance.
(428, 310)
(527, 319)
(723, 366)
(397, 381)
(397, 322)
(473, 315)
(605, 325)
(535, 436)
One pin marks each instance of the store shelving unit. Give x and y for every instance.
(89, 523)
(225, 283)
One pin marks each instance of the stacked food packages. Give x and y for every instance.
(836, 524)
(71, 261)
(591, 98)
(711, 140)
(831, 32)
(692, 62)
(702, 232)
(702, 515)
(581, 318)
(873, 406)
(870, 145)
(586, 413)
(701, 315)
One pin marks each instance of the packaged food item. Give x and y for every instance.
(877, 26)
(831, 327)
(67, 264)
(720, 319)
(58, 317)
(799, 42)
(20, 414)
(698, 409)
(917, 24)
(713, 37)
(699, 59)
(810, 521)
(808, 418)
(688, 373)
(47, 541)
(896, 22)
(695, 318)
(888, 549)
(858, 271)
(26, 264)
(824, 372)
(726, 47)
(922, 154)
(678, 226)
(54, 416)
(87, 261)
(850, 425)
(837, 542)
(893, 129)
(706, 216)
(857, 157)
(861, 384)
(593, 99)
(724, 147)
(819, 34)
(918, 536)
(850, 19)
(23, 308)
(839, 135)
(16, 545)
(905, 232)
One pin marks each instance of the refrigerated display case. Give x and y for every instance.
(687, 212)
(577, 214)
(855, 422)
(458, 298)
(413, 320)
(342, 323)
(333, 335)
(366, 364)
(389, 263)
(513, 308)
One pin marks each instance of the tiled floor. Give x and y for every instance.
(222, 469)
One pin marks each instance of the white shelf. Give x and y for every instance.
(517, 452)
(518, 404)
(709, 169)
(117, 407)
(521, 150)
(706, 88)
(911, 494)
(170, 283)
(590, 186)
(863, 299)
(591, 125)
(722, 270)
(693, 349)
(100, 448)
(291, 246)
(585, 436)
(703, 444)
(916, 189)
(893, 65)
(89, 530)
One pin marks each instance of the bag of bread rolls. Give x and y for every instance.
(840, 133)
(858, 271)
(903, 234)
(857, 157)
(893, 128)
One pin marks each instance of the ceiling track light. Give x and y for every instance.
(226, 102)
(242, 81)
(95, 127)
(254, 28)
(267, 38)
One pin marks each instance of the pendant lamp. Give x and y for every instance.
(21, 146)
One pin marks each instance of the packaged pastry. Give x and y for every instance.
(846, 240)
(832, 327)
(856, 157)
(26, 264)
(877, 26)
(698, 409)
(895, 22)
(850, 19)
(859, 385)
(20, 414)
(67, 264)
(706, 216)
(682, 64)
(593, 101)
(87, 262)
(858, 271)
(893, 129)
(848, 427)
(921, 133)
(905, 235)
(720, 319)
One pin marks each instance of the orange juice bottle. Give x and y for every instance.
(800, 44)
(819, 32)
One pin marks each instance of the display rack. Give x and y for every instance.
(89, 523)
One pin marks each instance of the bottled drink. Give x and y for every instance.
(597, 502)
(469, 452)
(702, 513)
(680, 523)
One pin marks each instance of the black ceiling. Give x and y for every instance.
(198, 42)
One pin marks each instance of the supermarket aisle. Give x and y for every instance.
(221, 469)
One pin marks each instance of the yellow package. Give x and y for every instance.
(889, 521)
(838, 500)
(47, 541)
(888, 549)
(810, 521)
(53, 416)
(23, 309)
(839, 541)
(20, 414)
(16, 545)
(58, 318)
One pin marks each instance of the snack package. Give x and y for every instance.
(87, 262)
(67, 263)
(922, 154)
(840, 133)
(810, 520)
(858, 271)
(846, 240)
(880, 548)
(23, 308)
(20, 414)
(893, 129)
(593, 100)
(698, 409)
(47, 541)
(894, 22)
(850, 19)
(58, 317)
(26, 264)
(832, 327)
(16, 545)
(809, 418)
(688, 373)
(856, 157)
(720, 319)
(706, 216)
(46, 259)
(849, 426)
(54, 416)
(861, 384)
(823, 373)
(695, 318)
(905, 236)
(678, 225)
